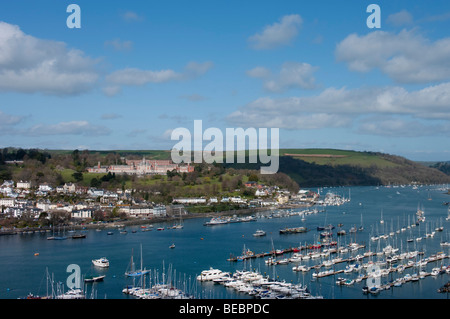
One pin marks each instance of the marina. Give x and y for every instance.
(371, 260)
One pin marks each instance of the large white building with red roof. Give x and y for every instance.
(143, 167)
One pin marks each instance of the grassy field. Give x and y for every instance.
(362, 159)
(325, 156)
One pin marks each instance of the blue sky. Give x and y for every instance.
(136, 70)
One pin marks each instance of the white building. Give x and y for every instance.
(147, 211)
(24, 185)
(238, 200)
(45, 188)
(7, 202)
(70, 188)
(82, 213)
(189, 201)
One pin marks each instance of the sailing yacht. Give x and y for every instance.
(133, 272)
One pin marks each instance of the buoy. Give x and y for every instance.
(36, 254)
(201, 238)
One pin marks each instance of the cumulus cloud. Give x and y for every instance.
(406, 57)
(291, 75)
(341, 107)
(30, 65)
(278, 34)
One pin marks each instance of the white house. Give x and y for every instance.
(7, 202)
(82, 213)
(261, 192)
(93, 192)
(70, 187)
(24, 185)
(45, 188)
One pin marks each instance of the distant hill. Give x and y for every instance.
(331, 167)
(307, 167)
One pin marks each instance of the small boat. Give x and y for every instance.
(110, 233)
(259, 233)
(160, 228)
(94, 278)
(172, 246)
(101, 262)
(78, 236)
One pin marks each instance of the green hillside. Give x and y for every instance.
(307, 167)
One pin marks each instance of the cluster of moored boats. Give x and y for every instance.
(255, 284)
(229, 219)
(157, 291)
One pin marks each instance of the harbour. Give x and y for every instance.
(307, 264)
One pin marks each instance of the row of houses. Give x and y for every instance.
(18, 208)
(14, 204)
(272, 196)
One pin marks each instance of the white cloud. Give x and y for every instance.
(277, 34)
(342, 107)
(9, 120)
(68, 128)
(30, 65)
(194, 69)
(131, 16)
(392, 126)
(258, 72)
(400, 18)
(136, 77)
(406, 57)
(292, 75)
(111, 90)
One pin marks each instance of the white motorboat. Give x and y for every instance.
(101, 262)
(210, 274)
(259, 233)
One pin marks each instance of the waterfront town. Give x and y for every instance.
(26, 205)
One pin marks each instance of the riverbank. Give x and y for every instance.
(147, 221)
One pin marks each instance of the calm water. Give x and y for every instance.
(199, 247)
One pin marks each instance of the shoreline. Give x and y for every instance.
(140, 221)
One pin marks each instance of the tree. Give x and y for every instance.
(78, 176)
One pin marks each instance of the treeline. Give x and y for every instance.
(313, 175)
(41, 166)
(407, 171)
(209, 180)
(443, 167)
